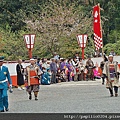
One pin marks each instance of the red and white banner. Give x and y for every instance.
(82, 40)
(97, 28)
(29, 40)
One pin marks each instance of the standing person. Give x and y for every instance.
(81, 69)
(63, 64)
(33, 73)
(24, 68)
(58, 63)
(102, 67)
(4, 73)
(48, 63)
(75, 68)
(53, 68)
(70, 70)
(38, 62)
(77, 56)
(111, 71)
(20, 76)
(90, 65)
(35, 58)
(56, 56)
(44, 65)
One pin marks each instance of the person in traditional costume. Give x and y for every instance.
(90, 65)
(111, 71)
(33, 74)
(4, 80)
(46, 78)
(102, 67)
(20, 76)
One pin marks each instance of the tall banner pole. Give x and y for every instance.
(83, 47)
(83, 53)
(101, 30)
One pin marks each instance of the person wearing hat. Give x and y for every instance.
(4, 73)
(111, 71)
(33, 73)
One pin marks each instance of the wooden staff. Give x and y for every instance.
(101, 30)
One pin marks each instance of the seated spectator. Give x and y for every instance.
(85, 73)
(46, 78)
(97, 72)
(60, 76)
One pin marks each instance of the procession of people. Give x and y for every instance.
(58, 70)
(55, 70)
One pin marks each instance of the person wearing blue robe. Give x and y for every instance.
(46, 78)
(4, 80)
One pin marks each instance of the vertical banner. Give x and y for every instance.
(29, 40)
(82, 40)
(97, 28)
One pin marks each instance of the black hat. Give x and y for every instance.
(1, 58)
(89, 56)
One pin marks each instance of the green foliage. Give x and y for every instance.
(56, 24)
(115, 47)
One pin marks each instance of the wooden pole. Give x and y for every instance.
(101, 30)
(30, 50)
(83, 53)
(30, 53)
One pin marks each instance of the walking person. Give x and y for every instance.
(4, 73)
(20, 76)
(33, 74)
(53, 68)
(102, 67)
(111, 71)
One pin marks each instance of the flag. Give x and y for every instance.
(97, 28)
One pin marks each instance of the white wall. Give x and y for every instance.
(12, 66)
